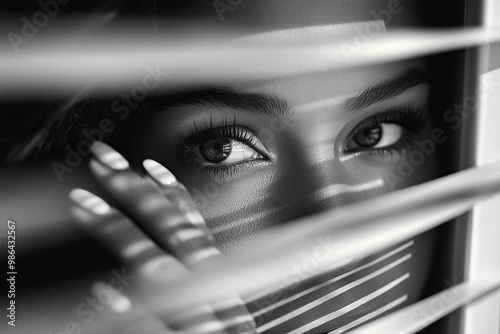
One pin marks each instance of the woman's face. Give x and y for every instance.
(256, 155)
(259, 153)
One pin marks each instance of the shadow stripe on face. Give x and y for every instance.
(335, 293)
(337, 189)
(324, 284)
(320, 321)
(280, 287)
(371, 315)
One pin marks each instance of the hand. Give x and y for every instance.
(161, 236)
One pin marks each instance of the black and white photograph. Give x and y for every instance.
(250, 166)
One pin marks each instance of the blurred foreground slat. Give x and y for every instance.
(62, 67)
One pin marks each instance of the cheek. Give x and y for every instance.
(413, 161)
(235, 209)
(412, 168)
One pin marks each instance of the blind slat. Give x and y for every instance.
(356, 231)
(422, 314)
(55, 68)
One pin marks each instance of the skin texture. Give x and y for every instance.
(306, 158)
(161, 236)
(304, 148)
(306, 165)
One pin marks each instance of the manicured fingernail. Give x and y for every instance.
(159, 172)
(108, 295)
(109, 156)
(89, 201)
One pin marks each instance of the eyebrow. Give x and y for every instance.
(260, 104)
(221, 97)
(387, 89)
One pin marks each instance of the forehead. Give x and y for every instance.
(265, 15)
(271, 20)
(327, 86)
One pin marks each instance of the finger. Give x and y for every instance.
(124, 315)
(174, 191)
(198, 320)
(161, 219)
(235, 316)
(227, 317)
(123, 238)
(232, 312)
(149, 208)
(116, 232)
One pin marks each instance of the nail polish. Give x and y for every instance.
(159, 172)
(89, 201)
(108, 156)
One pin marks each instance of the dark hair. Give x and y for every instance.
(31, 129)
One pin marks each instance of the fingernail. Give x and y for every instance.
(89, 201)
(159, 172)
(109, 156)
(107, 295)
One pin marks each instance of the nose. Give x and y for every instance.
(307, 186)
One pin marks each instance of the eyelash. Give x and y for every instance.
(410, 118)
(228, 129)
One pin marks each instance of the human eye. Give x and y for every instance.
(223, 150)
(387, 132)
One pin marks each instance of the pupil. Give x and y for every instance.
(216, 150)
(369, 137)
